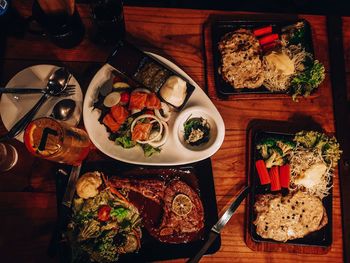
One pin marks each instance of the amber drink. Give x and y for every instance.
(53, 140)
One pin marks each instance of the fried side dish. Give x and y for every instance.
(183, 213)
(289, 217)
(241, 65)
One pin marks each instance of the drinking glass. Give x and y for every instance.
(59, 20)
(8, 157)
(53, 140)
(109, 21)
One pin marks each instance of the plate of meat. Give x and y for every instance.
(140, 214)
(150, 112)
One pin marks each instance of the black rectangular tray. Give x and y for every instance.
(221, 27)
(151, 249)
(320, 238)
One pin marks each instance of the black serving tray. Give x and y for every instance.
(221, 27)
(197, 175)
(321, 238)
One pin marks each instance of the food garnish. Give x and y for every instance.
(262, 172)
(88, 184)
(262, 31)
(103, 226)
(112, 99)
(284, 171)
(284, 218)
(312, 162)
(182, 205)
(196, 131)
(174, 91)
(275, 179)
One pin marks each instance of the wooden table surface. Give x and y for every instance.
(27, 193)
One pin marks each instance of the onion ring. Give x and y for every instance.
(164, 137)
(152, 117)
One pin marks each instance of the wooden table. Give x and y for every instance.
(27, 197)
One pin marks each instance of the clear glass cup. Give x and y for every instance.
(108, 17)
(8, 157)
(53, 140)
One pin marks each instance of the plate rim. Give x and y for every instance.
(148, 162)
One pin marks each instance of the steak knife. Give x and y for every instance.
(216, 229)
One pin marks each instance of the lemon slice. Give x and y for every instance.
(120, 85)
(182, 205)
(112, 99)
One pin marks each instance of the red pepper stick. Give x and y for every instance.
(285, 175)
(275, 179)
(268, 39)
(262, 172)
(262, 31)
(269, 46)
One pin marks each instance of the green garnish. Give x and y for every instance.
(308, 80)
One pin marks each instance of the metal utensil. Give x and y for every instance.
(216, 229)
(63, 109)
(56, 86)
(28, 90)
(70, 190)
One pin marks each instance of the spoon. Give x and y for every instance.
(56, 86)
(63, 109)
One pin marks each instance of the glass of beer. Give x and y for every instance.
(53, 140)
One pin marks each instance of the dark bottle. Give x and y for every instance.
(109, 21)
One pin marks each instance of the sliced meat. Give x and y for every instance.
(137, 100)
(119, 113)
(173, 228)
(151, 189)
(173, 224)
(109, 121)
(153, 102)
(141, 132)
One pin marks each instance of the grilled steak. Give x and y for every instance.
(241, 65)
(173, 227)
(290, 217)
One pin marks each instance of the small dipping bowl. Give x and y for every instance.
(195, 112)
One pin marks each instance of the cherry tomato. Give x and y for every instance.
(124, 98)
(104, 213)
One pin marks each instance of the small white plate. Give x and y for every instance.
(172, 153)
(15, 106)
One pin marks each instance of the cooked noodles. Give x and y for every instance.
(277, 80)
(301, 160)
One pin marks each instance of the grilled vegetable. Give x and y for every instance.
(284, 172)
(262, 172)
(275, 179)
(262, 31)
(276, 157)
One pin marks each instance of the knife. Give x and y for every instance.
(216, 229)
(72, 181)
(26, 90)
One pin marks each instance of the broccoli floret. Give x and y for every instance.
(264, 147)
(331, 151)
(307, 139)
(276, 157)
(285, 146)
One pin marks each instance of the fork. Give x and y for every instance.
(23, 122)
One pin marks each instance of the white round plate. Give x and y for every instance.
(15, 106)
(173, 152)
